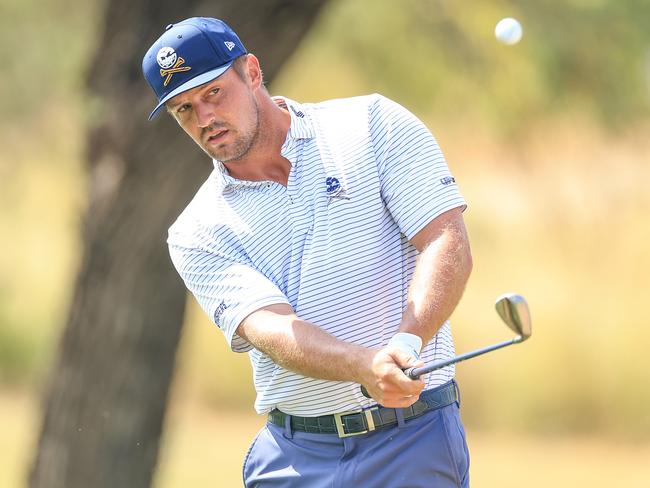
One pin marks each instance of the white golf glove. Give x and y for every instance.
(409, 343)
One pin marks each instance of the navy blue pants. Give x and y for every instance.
(428, 451)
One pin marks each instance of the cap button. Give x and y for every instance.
(169, 26)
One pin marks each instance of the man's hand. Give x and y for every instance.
(304, 348)
(387, 383)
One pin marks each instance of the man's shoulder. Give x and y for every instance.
(357, 102)
(374, 109)
(341, 117)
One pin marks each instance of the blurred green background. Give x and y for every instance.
(549, 141)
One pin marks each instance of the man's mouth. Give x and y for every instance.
(217, 136)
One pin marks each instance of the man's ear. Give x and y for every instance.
(254, 70)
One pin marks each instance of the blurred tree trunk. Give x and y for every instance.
(105, 402)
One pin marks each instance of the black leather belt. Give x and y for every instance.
(357, 422)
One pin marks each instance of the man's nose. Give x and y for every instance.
(204, 114)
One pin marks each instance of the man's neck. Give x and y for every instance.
(264, 162)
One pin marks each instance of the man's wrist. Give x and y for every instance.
(411, 344)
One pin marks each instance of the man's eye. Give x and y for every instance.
(183, 108)
(214, 91)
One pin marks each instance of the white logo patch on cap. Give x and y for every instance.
(230, 45)
(166, 57)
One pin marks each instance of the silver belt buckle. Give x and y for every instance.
(369, 420)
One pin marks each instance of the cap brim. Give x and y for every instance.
(188, 85)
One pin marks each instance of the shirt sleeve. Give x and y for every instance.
(416, 183)
(226, 287)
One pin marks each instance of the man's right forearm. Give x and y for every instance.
(306, 349)
(302, 347)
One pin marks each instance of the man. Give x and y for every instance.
(329, 244)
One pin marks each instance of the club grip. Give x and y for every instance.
(408, 372)
(411, 373)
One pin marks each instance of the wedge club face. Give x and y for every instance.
(513, 310)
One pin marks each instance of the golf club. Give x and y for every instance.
(512, 309)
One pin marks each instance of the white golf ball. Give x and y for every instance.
(508, 31)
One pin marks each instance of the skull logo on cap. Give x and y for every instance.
(166, 57)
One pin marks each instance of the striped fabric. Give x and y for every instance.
(366, 176)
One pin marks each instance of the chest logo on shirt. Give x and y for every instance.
(332, 185)
(333, 189)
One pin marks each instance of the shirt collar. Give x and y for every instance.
(301, 127)
(301, 124)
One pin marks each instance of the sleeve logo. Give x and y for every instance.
(219, 312)
(447, 180)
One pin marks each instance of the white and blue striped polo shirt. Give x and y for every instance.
(366, 175)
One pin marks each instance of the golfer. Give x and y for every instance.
(328, 243)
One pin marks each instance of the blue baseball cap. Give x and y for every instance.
(189, 54)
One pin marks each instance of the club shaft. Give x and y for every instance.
(415, 373)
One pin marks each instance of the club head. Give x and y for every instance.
(513, 310)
